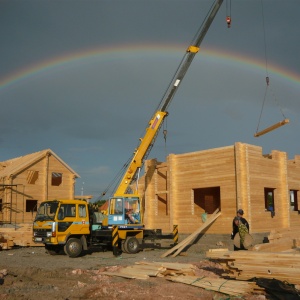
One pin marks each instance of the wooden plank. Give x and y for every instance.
(138, 271)
(245, 265)
(168, 265)
(229, 287)
(144, 270)
(278, 246)
(272, 127)
(124, 275)
(180, 246)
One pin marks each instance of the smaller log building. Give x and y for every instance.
(28, 180)
(188, 187)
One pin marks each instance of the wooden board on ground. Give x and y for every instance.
(229, 287)
(184, 273)
(189, 240)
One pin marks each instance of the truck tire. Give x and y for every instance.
(132, 245)
(73, 247)
(123, 246)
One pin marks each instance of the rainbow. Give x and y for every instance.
(147, 50)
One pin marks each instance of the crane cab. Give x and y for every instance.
(124, 211)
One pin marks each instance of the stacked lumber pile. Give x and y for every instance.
(185, 273)
(5, 243)
(280, 240)
(16, 236)
(245, 265)
(191, 238)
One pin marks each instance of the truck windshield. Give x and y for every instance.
(46, 211)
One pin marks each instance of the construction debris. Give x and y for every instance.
(186, 273)
(3, 273)
(144, 270)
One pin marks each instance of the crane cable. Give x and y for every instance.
(228, 13)
(165, 133)
(267, 73)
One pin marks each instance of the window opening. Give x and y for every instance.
(293, 200)
(32, 176)
(207, 200)
(56, 179)
(31, 205)
(269, 199)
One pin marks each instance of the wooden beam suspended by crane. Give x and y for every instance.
(272, 127)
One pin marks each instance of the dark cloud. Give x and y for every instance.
(92, 112)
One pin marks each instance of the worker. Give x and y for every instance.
(242, 231)
(235, 227)
(129, 216)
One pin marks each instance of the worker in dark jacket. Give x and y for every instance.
(235, 228)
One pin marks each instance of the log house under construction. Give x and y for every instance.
(28, 180)
(188, 187)
(184, 190)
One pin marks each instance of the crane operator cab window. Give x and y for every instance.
(125, 210)
(132, 211)
(116, 206)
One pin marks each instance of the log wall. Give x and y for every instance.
(240, 173)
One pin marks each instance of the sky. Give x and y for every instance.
(83, 78)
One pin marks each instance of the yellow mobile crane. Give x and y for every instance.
(68, 224)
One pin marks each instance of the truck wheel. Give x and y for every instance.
(73, 247)
(123, 246)
(132, 245)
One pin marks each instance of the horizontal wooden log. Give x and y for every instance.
(244, 265)
(229, 287)
(272, 127)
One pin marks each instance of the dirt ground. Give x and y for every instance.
(33, 274)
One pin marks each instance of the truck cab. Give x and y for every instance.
(58, 222)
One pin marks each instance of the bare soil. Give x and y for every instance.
(33, 274)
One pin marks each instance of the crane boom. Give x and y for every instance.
(189, 56)
(157, 119)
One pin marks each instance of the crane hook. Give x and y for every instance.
(165, 132)
(228, 21)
